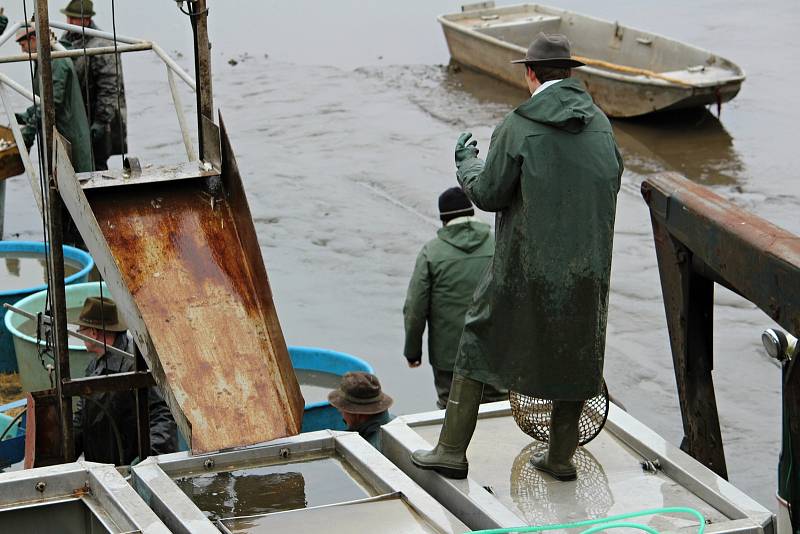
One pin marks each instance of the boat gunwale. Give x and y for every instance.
(627, 78)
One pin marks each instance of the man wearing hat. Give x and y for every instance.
(107, 115)
(447, 270)
(364, 407)
(537, 322)
(105, 424)
(70, 114)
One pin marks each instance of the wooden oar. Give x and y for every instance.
(630, 70)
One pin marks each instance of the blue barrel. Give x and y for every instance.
(8, 360)
(321, 415)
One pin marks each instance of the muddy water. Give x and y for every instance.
(276, 488)
(22, 271)
(344, 135)
(315, 385)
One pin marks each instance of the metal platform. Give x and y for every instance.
(73, 499)
(627, 468)
(322, 481)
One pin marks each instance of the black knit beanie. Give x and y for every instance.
(454, 203)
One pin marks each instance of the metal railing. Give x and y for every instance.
(702, 239)
(124, 45)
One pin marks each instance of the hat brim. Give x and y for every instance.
(338, 400)
(69, 13)
(26, 35)
(558, 63)
(113, 327)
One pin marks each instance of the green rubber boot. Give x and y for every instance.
(557, 461)
(449, 457)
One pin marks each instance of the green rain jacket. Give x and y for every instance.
(447, 271)
(71, 119)
(537, 324)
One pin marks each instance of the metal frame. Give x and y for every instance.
(702, 239)
(53, 153)
(125, 45)
(100, 487)
(479, 509)
(153, 482)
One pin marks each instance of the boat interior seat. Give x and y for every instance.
(701, 74)
(520, 31)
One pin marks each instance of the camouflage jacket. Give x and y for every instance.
(100, 83)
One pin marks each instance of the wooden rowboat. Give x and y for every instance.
(629, 72)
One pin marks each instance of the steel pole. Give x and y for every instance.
(53, 205)
(202, 64)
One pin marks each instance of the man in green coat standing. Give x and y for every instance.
(445, 275)
(102, 85)
(70, 113)
(537, 323)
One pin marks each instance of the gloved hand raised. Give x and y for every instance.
(465, 148)
(3, 22)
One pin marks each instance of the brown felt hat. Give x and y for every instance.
(360, 393)
(100, 314)
(550, 50)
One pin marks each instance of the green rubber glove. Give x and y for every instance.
(3, 23)
(465, 148)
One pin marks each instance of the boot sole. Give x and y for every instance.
(448, 472)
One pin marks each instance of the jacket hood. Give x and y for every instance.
(465, 236)
(565, 105)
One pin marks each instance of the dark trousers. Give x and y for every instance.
(442, 380)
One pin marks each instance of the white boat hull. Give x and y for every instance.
(490, 44)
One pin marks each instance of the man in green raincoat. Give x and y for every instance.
(70, 113)
(445, 275)
(537, 323)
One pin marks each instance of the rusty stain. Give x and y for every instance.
(82, 491)
(206, 313)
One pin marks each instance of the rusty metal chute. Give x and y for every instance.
(179, 253)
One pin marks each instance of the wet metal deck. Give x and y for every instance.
(611, 479)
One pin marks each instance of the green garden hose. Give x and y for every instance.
(604, 523)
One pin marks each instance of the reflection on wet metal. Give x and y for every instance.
(273, 488)
(315, 385)
(383, 516)
(588, 497)
(615, 482)
(21, 271)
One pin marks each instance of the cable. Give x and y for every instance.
(614, 521)
(116, 67)
(43, 189)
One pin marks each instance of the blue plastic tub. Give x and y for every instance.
(12, 446)
(8, 359)
(321, 415)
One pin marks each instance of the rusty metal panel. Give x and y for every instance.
(760, 260)
(198, 306)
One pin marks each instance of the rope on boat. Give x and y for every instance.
(604, 523)
(631, 70)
